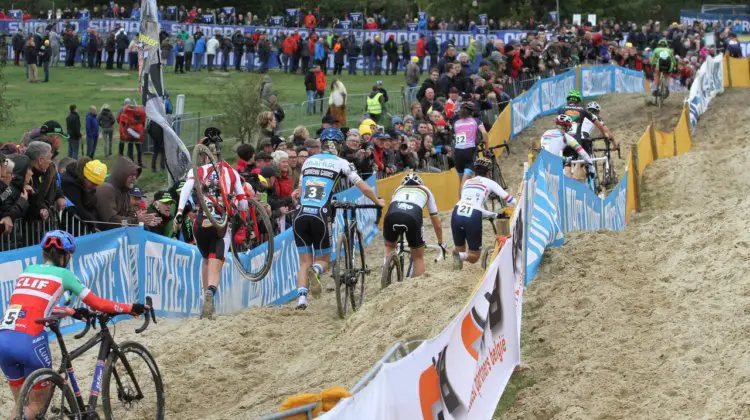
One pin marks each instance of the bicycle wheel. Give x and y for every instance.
(485, 257)
(341, 268)
(497, 175)
(392, 270)
(210, 195)
(137, 385)
(55, 401)
(257, 228)
(359, 271)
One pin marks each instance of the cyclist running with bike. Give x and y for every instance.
(405, 216)
(24, 346)
(466, 129)
(663, 61)
(212, 243)
(466, 220)
(320, 174)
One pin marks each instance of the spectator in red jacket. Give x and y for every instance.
(371, 24)
(517, 63)
(421, 52)
(284, 184)
(289, 47)
(310, 21)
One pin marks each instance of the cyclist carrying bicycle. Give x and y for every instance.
(212, 243)
(663, 61)
(466, 220)
(24, 346)
(466, 129)
(557, 139)
(312, 222)
(404, 216)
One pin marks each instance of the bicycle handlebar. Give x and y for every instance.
(440, 252)
(90, 317)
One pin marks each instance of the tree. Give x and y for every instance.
(239, 105)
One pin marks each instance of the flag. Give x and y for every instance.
(151, 85)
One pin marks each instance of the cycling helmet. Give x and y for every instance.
(594, 106)
(663, 43)
(382, 135)
(482, 163)
(412, 179)
(332, 134)
(564, 120)
(574, 95)
(59, 239)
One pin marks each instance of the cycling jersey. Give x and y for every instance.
(664, 58)
(38, 290)
(475, 192)
(587, 127)
(554, 141)
(312, 222)
(405, 214)
(465, 131)
(578, 114)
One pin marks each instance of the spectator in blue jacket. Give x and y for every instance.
(198, 52)
(92, 132)
(320, 52)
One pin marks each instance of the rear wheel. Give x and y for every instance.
(257, 230)
(211, 194)
(54, 401)
(359, 272)
(132, 387)
(485, 257)
(497, 174)
(341, 267)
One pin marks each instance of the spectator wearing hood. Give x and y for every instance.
(46, 195)
(113, 200)
(79, 183)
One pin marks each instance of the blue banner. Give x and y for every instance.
(16, 14)
(555, 90)
(228, 10)
(292, 12)
(583, 208)
(738, 23)
(525, 109)
(355, 17)
(345, 24)
(483, 19)
(411, 27)
(613, 212)
(628, 81)
(276, 20)
(172, 27)
(127, 264)
(597, 80)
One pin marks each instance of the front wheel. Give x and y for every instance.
(392, 270)
(212, 194)
(485, 257)
(248, 232)
(132, 378)
(341, 268)
(54, 400)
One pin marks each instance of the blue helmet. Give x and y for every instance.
(332, 134)
(59, 239)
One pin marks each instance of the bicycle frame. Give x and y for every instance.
(107, 346)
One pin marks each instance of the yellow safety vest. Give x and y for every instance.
(373, 104)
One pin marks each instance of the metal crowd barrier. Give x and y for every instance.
(30, 232)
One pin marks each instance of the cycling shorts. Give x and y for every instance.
(312, 230)
(212, 243)
(407, 219)
(464, 159)
(665, 65)
(21, 354)
(467, 229)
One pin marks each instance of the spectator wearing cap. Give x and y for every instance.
(137, 203)
(397, 124)
(266, 146)
(284, 184)
(113, 200)
(106, 122)
(161, 211)
(262, 160)
(46, 195)
(377, 55)
(73, 122)
(79, 183)
(92, 132)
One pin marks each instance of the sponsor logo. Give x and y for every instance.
(405, 206)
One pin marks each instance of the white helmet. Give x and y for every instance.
(412, 179)
(593, 106)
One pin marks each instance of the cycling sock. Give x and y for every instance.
(212, 289)
(462, 256)
(317, 268)
(302, 291)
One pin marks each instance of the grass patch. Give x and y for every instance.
(37, 103)
(518, 382)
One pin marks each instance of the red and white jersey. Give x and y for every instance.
(230, 181)
(474, 193)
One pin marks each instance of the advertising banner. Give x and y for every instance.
(554, 91)
(597, 80)
(583, 208)
(461, 373)
(127, 264)
(628, 81)
(613, 212)
(526, 108)
(739, 23)
(708, 82)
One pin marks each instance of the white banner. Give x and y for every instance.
(708, 82)
(596, 80)
(628, 81)
(459, 374)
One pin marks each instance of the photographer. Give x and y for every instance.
(408, 154)
(358, 153)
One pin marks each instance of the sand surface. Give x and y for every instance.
(243, 365)
(653, 322)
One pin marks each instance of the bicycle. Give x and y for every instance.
(499, 239)
(348, 270)
(110, 353)
(215, 194)
(396, 261)
(495, 173)
(609, 178)
(661, 90)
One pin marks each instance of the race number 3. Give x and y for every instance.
(314, 192)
